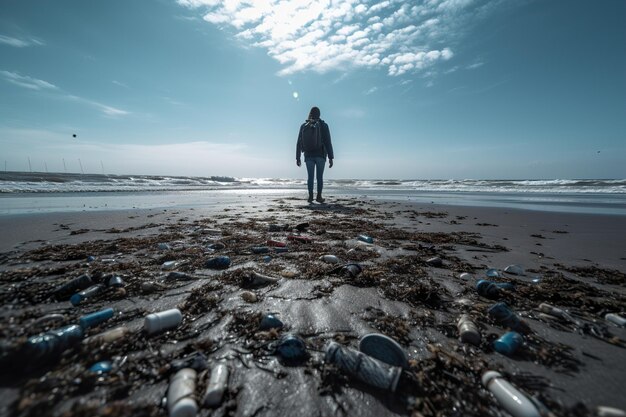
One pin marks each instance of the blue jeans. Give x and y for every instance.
(312, 162)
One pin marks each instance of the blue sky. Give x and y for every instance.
(422, 89)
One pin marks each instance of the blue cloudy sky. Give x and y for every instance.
(420, 89)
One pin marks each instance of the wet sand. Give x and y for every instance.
(579, 260)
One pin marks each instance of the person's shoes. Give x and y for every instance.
(310, 200)
(319, 199)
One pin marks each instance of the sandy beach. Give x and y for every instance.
(575, 262)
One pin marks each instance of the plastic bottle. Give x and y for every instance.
(466, 275)
(487, 289)
(503, 315)
(281, 250)
(218, 382)
(363, 367)
(270, 321)
(101, 367)
(108, 336)
(509, 397)
(492, 273)
(329, 259)
(603, 411)
(66, 290)
(276, 243)
(553, 311)
(468, 332)
(436, 261)
(365, 238)
(385, 349)
(616, 318)
(163, 320)
(96, 318)
(169, 265)
(508, 343)
(181, 401)
(85, 295)
(219, 262)
(46, 349)
(260, 249)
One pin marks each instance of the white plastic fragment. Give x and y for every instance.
(163, 320)
(329, 259)
(465, 275)
(468, 332)
(218, 382)
(616, 318)
(602, 411)
(515, 270)
(509, 397)
(180, 394)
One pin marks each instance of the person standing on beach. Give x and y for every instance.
(314, 141)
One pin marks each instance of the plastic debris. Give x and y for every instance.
(113, 281)
(256, 280)
(508, 343)
(291, 347)
(466, 275)
(169, 265)
(555, 312)
(270, 321)
(161, 321)
(93, 319)
(503, 315)
(300, 239)
(219, 262)
(108, 336)
(196, 361)
(163, 246)
(384, 349)
(101, 367)
(329, 259)
(91, 258)
(218, 382)
(216, 246)
(435, 261)
(363, 367)
(275, 243)
(468, 331)
(180, 394)
(179, 276)
(68, 289)
(603, 411)
(365, 238)
(85, 295)
(46, 349)
(514, 270)
(351, 270)
(492, 273)
(260, 249)
(487, 289)
(509, 397)
(616, 319)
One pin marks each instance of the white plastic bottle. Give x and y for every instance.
(468, 332)
(616, 319)
(180, 394)
(509, 397)
(218, 382)
(163, 320)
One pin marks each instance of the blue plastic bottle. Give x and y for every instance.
(84, 295)
(46, 349)
(93, 319)
(66, 290)
(219, 262)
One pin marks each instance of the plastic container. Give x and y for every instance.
(508, 343)
(466, 276)
(66, 290)
(487, 289)
(114, 281)
(509, 397)
(503, 315)
(181, 400)
(553, 311)
(163, 246)
(108, 336)
(270, 321)
(163, 320)
(492, 273)
(46, 349)
(363, 367)
(365, 238)
(616, 319)
(351, 270)
(281, 250)
(603, 411)
(514, 270)
(218, 262)
(169, 265)
(93, 319)
(384, 349)
(291, 347)
(468, 331)
(101, 367)
(218, 383)
(329, 259)
(85, 295)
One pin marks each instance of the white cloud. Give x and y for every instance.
(328, 35)
(475, 65)
(19, 43)
(36, 84)
(371, 91)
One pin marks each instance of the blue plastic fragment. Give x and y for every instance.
(101, 367)
(291, 346)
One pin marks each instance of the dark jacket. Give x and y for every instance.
(327, 146)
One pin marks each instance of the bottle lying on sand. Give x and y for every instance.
(363, 367)
(87, 294)
(508, 343)
(616, 319)
(218, 383)
(163, 320)
(68, 289)
(468, 331)
(46, 349)
(93, 319)
(181, 394)
(219, 262)
(503, 315)
(509, 397)
(365, 238)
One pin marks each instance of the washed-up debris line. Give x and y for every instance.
(222, 311)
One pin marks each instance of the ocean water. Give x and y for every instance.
(22, 192)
